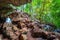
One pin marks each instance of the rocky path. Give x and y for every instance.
(19, 26)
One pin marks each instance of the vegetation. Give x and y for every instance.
(42, 23)
(44, 10)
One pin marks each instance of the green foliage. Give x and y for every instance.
(44, 10)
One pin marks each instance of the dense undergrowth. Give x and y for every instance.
(47, 11)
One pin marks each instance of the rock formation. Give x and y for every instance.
(22, 27)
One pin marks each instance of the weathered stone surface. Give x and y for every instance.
(23, 28)
(14, 2)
